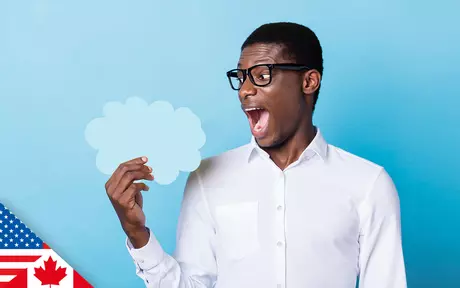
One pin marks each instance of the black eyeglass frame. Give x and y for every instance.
(282, 66)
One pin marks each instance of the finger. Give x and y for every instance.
(139, 161)
(123, 170)
(128, 199)
(128, 179)
(131, 168)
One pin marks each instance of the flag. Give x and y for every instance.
(27, 261)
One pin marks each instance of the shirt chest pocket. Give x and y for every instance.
(237, 229)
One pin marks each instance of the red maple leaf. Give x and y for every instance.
(50, 275)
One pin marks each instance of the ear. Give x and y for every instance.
(311, 82)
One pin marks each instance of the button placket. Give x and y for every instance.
(280, 229)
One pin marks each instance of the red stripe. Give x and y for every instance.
(15, 258)
(80, 282)
(45, 246)
(19, 281)
(10, 271)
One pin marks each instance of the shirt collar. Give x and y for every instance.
(317, 146)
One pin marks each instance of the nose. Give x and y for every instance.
(247, 89)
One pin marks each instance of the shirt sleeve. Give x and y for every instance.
(381, 259)
(193, 264)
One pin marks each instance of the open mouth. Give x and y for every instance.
(258, 120)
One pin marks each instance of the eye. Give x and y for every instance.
(239, 76)
(264, 76)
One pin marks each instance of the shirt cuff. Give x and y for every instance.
(147, 256)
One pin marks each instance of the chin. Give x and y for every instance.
(269, 141)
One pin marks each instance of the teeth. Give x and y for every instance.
(252, 109)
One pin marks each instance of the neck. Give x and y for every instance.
(293, 147)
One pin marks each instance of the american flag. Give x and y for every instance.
(27, 261)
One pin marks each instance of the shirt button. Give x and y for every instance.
(279, 208)
(279, 243)
(279, 286)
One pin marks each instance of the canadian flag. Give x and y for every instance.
(49, 270)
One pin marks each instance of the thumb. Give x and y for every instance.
(131, 194)
(139, 199)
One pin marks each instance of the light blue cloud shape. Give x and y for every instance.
(170, 138)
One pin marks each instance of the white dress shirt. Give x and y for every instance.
(244, 223)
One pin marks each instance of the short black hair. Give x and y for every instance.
(299, 42)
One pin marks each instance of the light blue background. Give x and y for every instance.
(390, 94)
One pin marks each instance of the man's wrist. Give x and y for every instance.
(139, 237)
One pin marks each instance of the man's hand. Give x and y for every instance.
(126, 198)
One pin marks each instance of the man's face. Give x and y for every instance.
(274, 111)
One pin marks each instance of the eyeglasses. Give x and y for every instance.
(260, 75)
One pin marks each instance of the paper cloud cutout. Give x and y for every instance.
(170, 138)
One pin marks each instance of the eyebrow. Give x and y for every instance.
(260, 61)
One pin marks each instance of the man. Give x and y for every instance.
(285, 210)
